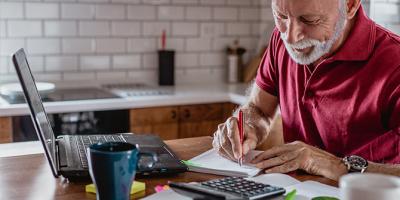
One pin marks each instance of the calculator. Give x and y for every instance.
(227, 188)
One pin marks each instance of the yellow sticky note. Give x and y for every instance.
(136, 187)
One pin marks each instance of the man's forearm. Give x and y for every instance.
(384, 169)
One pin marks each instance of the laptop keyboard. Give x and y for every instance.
(84, 141)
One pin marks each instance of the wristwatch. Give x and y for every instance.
(355, 163)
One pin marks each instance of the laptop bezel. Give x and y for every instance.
(19, 59)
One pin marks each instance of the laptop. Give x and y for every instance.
(66, 154)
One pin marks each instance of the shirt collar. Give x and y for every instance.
(360, 42)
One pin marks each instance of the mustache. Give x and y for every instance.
(305, 43)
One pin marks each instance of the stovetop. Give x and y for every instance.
(66, 95)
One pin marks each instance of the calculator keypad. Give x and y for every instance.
(240, 186)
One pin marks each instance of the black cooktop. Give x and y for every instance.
(66, 95)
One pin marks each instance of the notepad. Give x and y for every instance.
(137, 187)
(211, 162)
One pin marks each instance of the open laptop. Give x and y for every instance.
(66, 154)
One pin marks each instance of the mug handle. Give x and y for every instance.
(149, 165)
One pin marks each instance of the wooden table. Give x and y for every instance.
(29, 177)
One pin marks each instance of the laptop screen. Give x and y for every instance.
(38, 114)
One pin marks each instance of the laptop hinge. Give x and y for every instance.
(57, 156)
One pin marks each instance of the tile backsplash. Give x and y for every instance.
(108, 40)
(117, 40)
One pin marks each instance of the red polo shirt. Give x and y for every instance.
(350, 103)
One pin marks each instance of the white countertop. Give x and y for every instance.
(182, 95)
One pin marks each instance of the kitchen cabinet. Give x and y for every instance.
(5, 130)
(162, 121)
(180, 121)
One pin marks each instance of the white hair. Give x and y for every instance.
(320, 48)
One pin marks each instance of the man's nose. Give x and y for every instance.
(295, 32)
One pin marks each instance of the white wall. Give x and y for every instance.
(102, 40)
(386, 13)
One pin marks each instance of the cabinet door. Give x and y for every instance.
(162, 121)
(228, 109)
(199, 120)
(5, 130)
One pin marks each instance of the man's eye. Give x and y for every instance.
(309, 21)
(280, 16)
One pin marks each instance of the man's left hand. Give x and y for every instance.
(298, 155)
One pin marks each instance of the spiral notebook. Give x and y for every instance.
(211, 162)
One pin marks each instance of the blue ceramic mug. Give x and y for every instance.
(112, 167)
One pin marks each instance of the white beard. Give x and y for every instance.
(319, 48)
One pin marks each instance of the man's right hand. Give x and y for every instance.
(227, 140)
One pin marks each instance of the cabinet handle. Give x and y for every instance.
(187, 114)
(173, 114)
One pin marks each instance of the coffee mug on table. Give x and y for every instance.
(112, 167)
(368, 186)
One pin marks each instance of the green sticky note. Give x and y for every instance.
(190, 163)
(291, 195)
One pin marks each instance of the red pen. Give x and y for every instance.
(241, 134)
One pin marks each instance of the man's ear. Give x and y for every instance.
(352, 7)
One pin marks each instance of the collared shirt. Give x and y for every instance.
(350, 103)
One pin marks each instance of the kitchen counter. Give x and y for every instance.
(181, 95)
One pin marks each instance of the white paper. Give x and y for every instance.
(280, 180)
(166, 195)
(310, 189)
(211, 162)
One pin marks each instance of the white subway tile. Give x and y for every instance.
(144, 76)
(3, 29)
(220, 44)
(155, 28)
(110, 45)
(127, 61)
(11, 10)
(213, 59)
(266, 14)
(225, 13)
(78, 45)
(185, 29)
(94, 63)
(79, 76)
(198, 13)
(186, 2)
(156, 2)
(24, 28)
(110, 11)
(213, 2)
(184, 60)
(127, 1)
(36, 63)
(42, 10)
(94, 28)
(198, 44)
(142, 45)
(77, 11)
(111, 75)
(212, 29)
(150, 60)
(249, 14)
(177, 44)
(43, 46)
(61, 63)
(170, 13)
(10, 46)
(238, 2)
(238, 29)
(4, 65)
(60, 28)
(142, 12)
(200, 76)
(125, 28)
(48, 77)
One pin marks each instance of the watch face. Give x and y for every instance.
(357, 162)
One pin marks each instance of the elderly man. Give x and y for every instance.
(335, 75)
